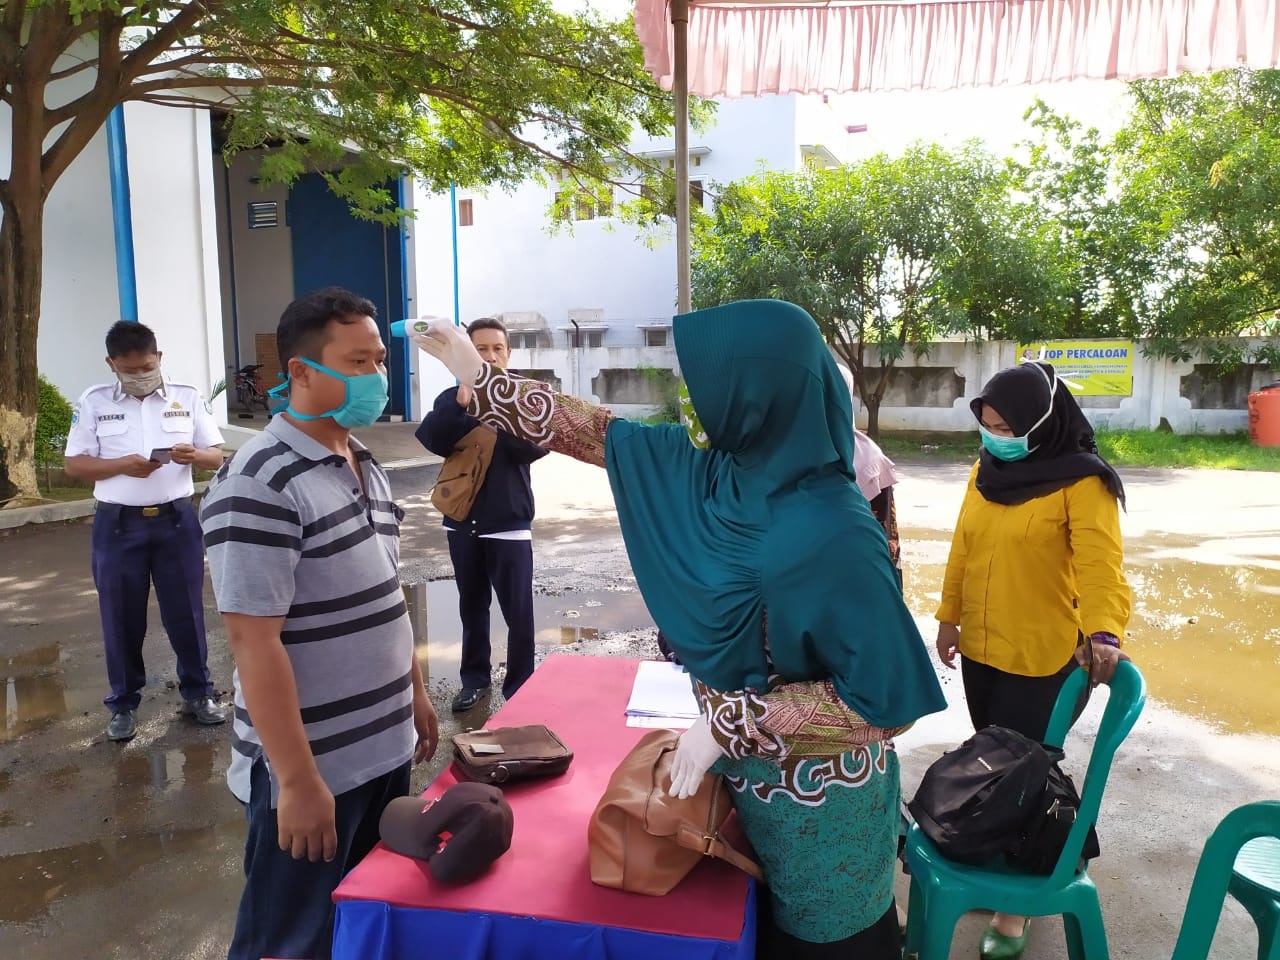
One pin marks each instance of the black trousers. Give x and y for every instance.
(483, 567)
(1010, 700)
(880, 941)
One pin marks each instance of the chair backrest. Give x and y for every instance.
(1209, 889)
(1124, 704)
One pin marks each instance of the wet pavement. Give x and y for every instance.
(133, 851)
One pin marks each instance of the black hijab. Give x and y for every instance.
(1063, 449)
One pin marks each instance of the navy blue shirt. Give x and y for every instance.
(505, 500)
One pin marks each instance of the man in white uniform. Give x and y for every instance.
(137, 438)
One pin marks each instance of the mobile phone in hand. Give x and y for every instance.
(162, 455)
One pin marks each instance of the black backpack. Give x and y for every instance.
(999, 797)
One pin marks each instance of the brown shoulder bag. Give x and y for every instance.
(506, 754)
(462, 473)
(643, 840)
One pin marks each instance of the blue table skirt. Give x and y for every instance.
(368, 930)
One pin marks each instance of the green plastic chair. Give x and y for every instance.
(943, 891)
(1242, 858)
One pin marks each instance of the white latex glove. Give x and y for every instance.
(449, 343)
(696, 752)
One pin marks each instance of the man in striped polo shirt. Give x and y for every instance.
(330, 709)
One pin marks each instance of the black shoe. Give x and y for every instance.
(467, 698)
(123, 726)
(205, 710)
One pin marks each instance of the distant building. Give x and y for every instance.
(589, 306)
(217, 256)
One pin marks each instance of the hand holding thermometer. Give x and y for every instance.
(408, 328)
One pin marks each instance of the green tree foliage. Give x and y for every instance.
(1205, 152)
(53, 423)
(1101, 262)
(1167, 231)
(887, 255)
(466, 92)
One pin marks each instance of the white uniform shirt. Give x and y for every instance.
(108, 423)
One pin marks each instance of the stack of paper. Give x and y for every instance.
(662, 697)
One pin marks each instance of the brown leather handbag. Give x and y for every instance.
(507, 754)
(462, 473)
(643, 840)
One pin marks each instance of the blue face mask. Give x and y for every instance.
(365, 400)
(1012, 449)
(1004, 448)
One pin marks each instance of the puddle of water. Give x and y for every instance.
(558, 620)
(31, 691)
(1205, 628)
(1209, 640)
(170, 769)
(33, 881)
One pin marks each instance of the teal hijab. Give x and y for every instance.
(767, 521)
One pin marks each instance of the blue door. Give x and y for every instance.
(333, 248)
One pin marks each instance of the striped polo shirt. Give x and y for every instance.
(290, 534)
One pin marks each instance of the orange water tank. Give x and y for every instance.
(1264, 416)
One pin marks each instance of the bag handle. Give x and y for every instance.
(713, 845)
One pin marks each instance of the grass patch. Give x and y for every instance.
(1129, 448)
(65, 494)
(930, 447)
(55, 485)
(1153, 448)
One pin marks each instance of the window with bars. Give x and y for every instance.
(696, 194)
(655, 338)
(577, 204)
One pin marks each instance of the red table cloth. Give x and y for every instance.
(545, 874)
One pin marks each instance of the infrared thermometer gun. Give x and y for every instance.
(407, 328)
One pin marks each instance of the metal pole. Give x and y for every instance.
(680, 89)
(453, 230)
(122, 214)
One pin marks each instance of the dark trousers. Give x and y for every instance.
(130, 552)
(880, 941)
(483, 567)
(286, 908)
(1009, 700)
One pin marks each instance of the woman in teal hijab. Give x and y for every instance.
(745, 529)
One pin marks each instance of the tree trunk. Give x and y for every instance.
(872, 402)
(21, 255)
(874, 398)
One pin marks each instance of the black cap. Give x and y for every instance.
(459, 833)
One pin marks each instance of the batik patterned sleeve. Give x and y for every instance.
(789, 722)
(531, 410)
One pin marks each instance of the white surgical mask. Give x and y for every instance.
(140, 384)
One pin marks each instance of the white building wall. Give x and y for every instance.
(79, 300)
(263, 275)
(174, 240)
(1157, 386)
(577, 370)
(78, 294)
(174, 246)
(1156, 396)
(510, 259)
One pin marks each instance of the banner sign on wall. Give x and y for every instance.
(1089, 368)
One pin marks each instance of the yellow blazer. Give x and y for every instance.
(1023, 581)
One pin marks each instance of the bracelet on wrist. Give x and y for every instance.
(1108, 639)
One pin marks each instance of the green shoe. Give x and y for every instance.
(996, 946)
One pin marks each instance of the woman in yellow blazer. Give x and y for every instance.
(1035, 566)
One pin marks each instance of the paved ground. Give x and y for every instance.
(133, 851)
